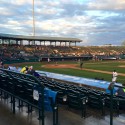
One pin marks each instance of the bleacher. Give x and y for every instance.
(46, 94)
(29, 92)
(81, 97)
(33, 53)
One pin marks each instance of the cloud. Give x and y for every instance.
(19, 2)
(93, 21)
(106, 4)
(5, 12)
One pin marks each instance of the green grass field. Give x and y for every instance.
(100, 65)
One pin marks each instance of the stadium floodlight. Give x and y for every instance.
(33, 18)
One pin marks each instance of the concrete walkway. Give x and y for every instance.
(66, 117)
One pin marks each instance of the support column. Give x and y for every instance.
(21, 42)
(16, 42)
(29, 42)
(65, 43)
(2, 41)
(40, 43)
(75, 43)
(69, 43)
(33, 42)
(8, 41)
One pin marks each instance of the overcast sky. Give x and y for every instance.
(95, 22)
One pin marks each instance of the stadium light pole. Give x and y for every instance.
(33, 18)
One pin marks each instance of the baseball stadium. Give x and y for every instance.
(62, 62)
(73, 84)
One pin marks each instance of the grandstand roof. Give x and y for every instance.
(38, 38)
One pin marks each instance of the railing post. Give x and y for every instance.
(55, 115)
(111, 107)
(14, 87)
(83, 103)
(111, 87)
(38, 95)
(12, 75)
(13, 105)
(40, 107)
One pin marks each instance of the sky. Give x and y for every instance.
(95, 22)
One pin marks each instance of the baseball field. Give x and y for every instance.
(91, 69)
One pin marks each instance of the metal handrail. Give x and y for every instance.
(36, 81)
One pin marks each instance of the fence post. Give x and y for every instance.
(111, 87)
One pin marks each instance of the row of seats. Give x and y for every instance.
(69, 94)
(27, 89)
(78, 97)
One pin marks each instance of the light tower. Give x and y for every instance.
(33, 41)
